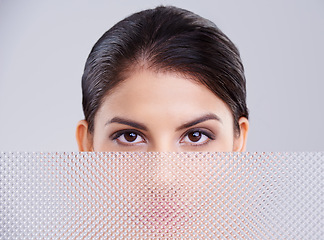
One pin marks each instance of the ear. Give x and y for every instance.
(240, 141)
(83, 137)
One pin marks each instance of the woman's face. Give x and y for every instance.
(163, 112)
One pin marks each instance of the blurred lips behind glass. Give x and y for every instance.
(158, 199)
(159, 192)
(166, 196)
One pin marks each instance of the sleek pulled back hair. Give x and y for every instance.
(165, 39)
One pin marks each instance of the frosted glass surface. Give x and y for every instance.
(161, 195)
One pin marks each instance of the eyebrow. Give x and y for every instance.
(210, 116)
(127, 122)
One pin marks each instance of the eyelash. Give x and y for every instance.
(208, 134)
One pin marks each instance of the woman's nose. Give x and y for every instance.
(164, 169)
(163, 145)
(163, 164)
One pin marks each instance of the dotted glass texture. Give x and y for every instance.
(138, 195)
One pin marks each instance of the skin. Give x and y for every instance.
(163, 112)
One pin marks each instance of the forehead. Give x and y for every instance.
(146, 94)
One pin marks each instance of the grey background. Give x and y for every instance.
(44, 45)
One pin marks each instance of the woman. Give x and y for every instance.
(163, 79)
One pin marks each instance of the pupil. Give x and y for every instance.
(195, 136)
(130, 137)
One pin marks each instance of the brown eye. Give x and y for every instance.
(197, 137)
(130, 137)
(194, 136)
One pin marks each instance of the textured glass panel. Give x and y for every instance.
(161, 195)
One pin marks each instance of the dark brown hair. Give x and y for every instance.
(165, 39)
